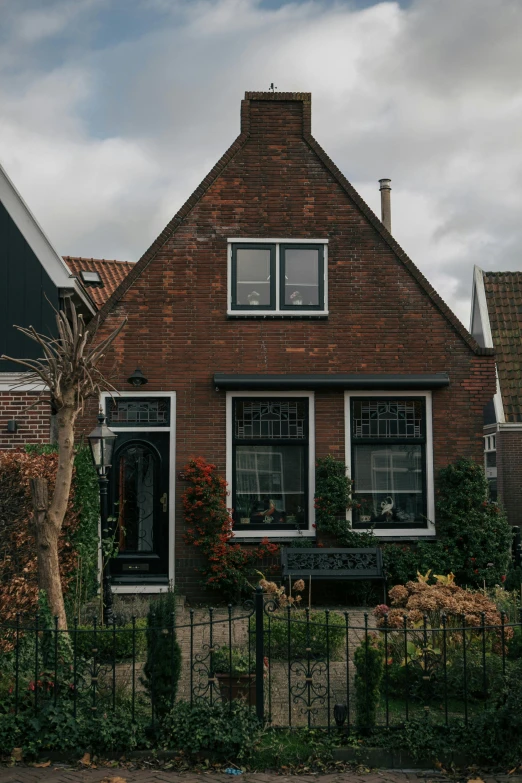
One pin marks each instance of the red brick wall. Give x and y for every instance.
(380, 321)
(32, 414)
(509, 484)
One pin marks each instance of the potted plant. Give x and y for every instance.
(235, 672)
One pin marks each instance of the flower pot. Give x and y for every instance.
(237, 686)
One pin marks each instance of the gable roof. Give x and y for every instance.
(39, 243)
(306, 98)
(111, 273)
(503, 291)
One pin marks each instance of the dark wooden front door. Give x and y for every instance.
(140, 503)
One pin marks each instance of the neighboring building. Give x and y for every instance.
(496, 323)
(276, 320)
(35, 279)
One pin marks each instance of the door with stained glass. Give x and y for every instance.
(139, 496)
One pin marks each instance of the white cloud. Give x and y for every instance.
(107, 141)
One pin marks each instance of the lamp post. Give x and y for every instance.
(101, 441)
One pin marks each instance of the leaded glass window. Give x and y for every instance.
(389, 462)
(138, 412)
(270, 458)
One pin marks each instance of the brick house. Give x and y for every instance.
(276, 320)
(35, 279)
(496, 323)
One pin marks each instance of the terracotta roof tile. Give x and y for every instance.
(111, 273)
(504, 300)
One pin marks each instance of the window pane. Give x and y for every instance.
(252, 276)
(270, 484)
(387, 419)
(388, 481)
(270, 419)
(301, 268)
(136, 479)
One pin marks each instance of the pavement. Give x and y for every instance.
(62, 774)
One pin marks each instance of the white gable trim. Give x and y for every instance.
(35, 237)
(478, 299)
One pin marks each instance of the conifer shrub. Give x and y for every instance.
(163, 665)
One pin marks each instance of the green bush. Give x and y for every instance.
(474, 529)
(473, 535)
(108, 643)
(56, 729)
(230, 730)
(303, 634)
(369, 667)
(235, 661)
(163, 665)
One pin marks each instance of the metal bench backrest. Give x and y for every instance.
(342, 563)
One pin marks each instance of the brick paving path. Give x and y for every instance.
(71, 775)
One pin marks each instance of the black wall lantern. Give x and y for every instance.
(12, 425)
(137, 378)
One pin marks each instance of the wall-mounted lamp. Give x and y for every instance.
(137, 378)
(12, 425)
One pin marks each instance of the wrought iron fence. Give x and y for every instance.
(294, 667)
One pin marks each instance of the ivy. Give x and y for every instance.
(333, 497)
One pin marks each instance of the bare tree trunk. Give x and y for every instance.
(49, 518)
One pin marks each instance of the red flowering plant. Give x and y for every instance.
(230, 567)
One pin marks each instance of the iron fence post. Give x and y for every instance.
(260, 653)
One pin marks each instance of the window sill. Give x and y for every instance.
(263, 314)
(279, 537)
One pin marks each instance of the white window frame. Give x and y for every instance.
(430, 489)
(277, 312)
(303, 533)
(490, 446)
(141, 588)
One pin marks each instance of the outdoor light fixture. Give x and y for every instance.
(340, 712)
(137, 378)
(101, 441)
(12, 425)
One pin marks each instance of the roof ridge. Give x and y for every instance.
(101, 260)
(218, 169)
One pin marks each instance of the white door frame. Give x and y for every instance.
(145, 589)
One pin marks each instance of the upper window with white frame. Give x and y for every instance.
(272, 277)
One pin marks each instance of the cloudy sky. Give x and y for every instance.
(112, 111)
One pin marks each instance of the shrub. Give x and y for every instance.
(474, 537)
(304, 633)
(163, 665)
(106, 644)
(231, 568)
(231, 729)
(369, 666)
(18, 558)
(474, 529)
(333, 496)
(233, 661)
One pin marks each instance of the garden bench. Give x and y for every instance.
(343, 563)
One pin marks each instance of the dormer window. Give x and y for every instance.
(277, 277)
(91, 278)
